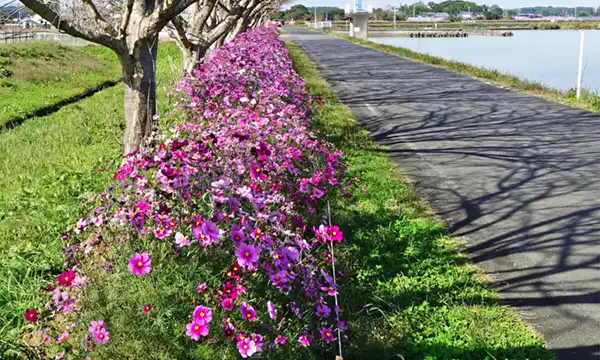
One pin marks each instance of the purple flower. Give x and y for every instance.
(237, 236)
(247, 311)
(247, 256)
(280, 339)
(323, 311)
(271, 310)
(327, 335)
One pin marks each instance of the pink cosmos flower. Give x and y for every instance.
(247, 256)
(31, 315)
(96, 326)
(247, 311)
(162, 233)
(330, 289)
(147, 308)
(271, 310)
(101, 336)
(200, 288)
(327, 335)
(280, 339)
(335, 234)
(60, 355)
(62, 337)
(66, 278)
(202, 315)
(139, 264)
(98, 220)
(247, 347)
(227, 303)
(196, 329)
(181, 240)
(305, 338)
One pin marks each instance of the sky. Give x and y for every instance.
(508, 4)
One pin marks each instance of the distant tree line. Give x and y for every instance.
(452, 7)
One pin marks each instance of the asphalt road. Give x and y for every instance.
(517, 176)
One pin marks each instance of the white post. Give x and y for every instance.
(580, 73)
(315, 17)
(394, 18)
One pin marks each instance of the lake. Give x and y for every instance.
(546, 56)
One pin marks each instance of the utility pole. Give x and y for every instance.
(394, 16)
(315, 17)
(414, 14)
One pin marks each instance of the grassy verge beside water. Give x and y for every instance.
(49, 166)
(40, 74)
(534, 25)
(409, 292)
(588, 100)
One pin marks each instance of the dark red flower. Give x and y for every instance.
(31, 315)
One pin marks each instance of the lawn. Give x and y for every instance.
(49, 167)
(409, 292)
(41, 74)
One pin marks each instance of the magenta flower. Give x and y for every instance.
(162, 233)
(247, 311)
(247, 256)
(247, 347)
(305, 338)
(211, 231)
(227, 303)
(327, 335)
(96, 326)
(66, 278)
(335, 234)
(196, 329)
(101, 336)
(200, 288)
(31, 315)
(181, 240)
(139, 264)
(280, 339)
(330, 289)
(147, 308)
(230, 290)
(271, 309)
(202, 315)
(64, 302)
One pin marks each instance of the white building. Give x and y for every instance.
(34, 21)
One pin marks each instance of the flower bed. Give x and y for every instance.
(213, 240)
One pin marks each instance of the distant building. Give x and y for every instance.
(430, 17)
(33, 22)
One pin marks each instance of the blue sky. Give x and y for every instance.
(509, 4)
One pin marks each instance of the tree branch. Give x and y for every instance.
(103, 24)
(80, 30)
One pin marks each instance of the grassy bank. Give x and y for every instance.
(588, 100)
(48, 168)
(409, 292)
(40, 74)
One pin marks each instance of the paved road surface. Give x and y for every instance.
(518, 176)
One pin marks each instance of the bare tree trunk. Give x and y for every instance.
(139, 76)
(192, 56)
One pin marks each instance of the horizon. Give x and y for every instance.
(505, 4)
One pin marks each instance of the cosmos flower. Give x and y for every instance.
(139, 264)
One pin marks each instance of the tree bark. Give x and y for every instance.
(139, 77)
(192, 56)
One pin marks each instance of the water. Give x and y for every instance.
(549, 57)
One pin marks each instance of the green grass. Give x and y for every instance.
(588, 100)
(48, 168)
(39, 74)
(409, 292)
